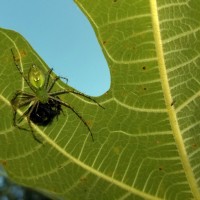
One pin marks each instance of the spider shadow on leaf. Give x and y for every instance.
(42, 104)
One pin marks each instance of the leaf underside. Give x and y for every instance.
(146, 140)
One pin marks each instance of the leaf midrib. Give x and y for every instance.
(168, 100)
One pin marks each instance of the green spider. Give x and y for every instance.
(43, 105)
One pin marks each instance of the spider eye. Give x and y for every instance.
(36, 77)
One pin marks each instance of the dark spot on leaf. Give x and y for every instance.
(23, 53)
(172, 103)
(83, 179)
(160, 168)
(144, 67)
(114, 0)
(104, 42)
(145, 88)
(194, 145)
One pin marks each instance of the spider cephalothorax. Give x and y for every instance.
(43, 105)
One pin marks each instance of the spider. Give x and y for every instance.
(43, 104)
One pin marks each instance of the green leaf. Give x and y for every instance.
(147, 139)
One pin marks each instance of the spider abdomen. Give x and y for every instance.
(36, 77)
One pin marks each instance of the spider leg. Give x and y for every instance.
(15, 104)
(47, 78)
(29, 121)
(15, 101)
(29, 98)
(75, 92)
(21, 72)
(15, 116)
(64, 78)
(74, 111)
(27, 113)
(15, 119)
(54, 81)
(22, 94)
(19, 105)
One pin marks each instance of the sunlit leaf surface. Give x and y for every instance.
(147, 139)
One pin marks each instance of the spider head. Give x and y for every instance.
(36, 77)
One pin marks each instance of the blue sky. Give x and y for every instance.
(63, 37)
